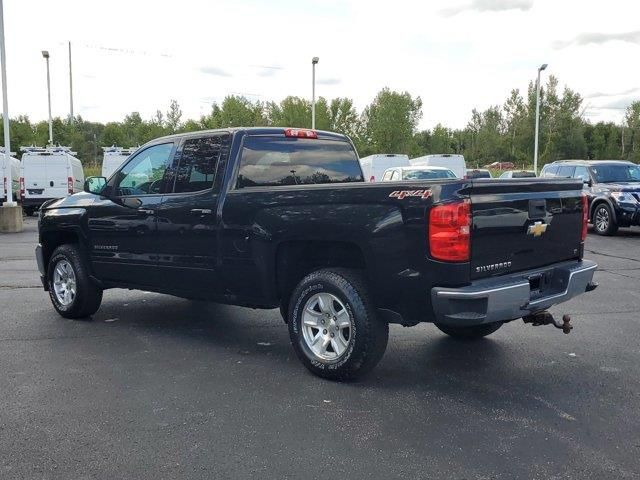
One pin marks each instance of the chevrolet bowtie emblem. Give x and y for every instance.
(537, 229)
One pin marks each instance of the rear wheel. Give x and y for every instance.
(603, 222)
(72, 292)
(333, 325)
(470, 332)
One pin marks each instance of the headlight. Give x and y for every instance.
(624, 197)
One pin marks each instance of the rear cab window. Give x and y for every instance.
(274, 160)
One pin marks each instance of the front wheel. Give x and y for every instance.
(603, 222)
(470, 332)
(72, 292)
(333, 325)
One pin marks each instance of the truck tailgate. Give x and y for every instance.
(523, 224)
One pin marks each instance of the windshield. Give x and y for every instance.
(523, 174)
(427, 174)
(612, 173)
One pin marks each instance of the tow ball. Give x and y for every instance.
(545, 318)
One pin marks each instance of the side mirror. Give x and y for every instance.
(587, 182)
(95, 185)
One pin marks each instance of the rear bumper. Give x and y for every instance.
(510, 297)
(34, 202)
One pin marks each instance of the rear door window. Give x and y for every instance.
(278, 161)
(550, 171)
(566, 171)
(197, 163)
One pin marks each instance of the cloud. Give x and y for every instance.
(267, 70)
(328, 81)
(599, 39)
(612, 94)
(488, 6)
(621, 103)
(219, 72)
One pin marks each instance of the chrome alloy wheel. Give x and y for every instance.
(602, 219)
(326, 326)
(64, 283)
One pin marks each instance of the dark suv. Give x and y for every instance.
(613, 188)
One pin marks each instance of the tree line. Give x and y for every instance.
(389, 124)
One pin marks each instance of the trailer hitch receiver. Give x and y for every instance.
(545, 318)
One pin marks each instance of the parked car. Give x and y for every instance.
(281, 217)
(478, 173)
(374, 166)
(501, 165)
(113, 157)
(518, 174)
(455, 163)
(48, 173)
(612, 187)
(12, 173)
(416, 173)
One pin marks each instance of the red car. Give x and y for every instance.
(500, 165)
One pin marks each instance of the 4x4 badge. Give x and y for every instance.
(537, 229)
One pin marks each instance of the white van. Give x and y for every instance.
(46, 173)
(12, 172)
(374, 166)
(113, 157)
(453, 162)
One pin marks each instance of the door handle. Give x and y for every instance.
(147, 212)
(201, 211)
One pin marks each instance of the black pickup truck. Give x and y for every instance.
(273, 217)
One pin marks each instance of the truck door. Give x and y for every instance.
(187, 219)
(123, 223)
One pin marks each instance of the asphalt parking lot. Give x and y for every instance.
(160, 387)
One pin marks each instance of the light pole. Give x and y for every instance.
(7, 176)
(314, 62)
(70, 88)
(535, 147)
(45, 54)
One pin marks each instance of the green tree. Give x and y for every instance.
(390, 121)
(174, 116)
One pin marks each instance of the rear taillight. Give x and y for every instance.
(70, 185)
(450, 232)
(21, 187)
(585, 216)
(300, 133)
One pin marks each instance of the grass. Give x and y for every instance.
(92, 171)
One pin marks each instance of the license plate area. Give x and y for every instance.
(35, 191)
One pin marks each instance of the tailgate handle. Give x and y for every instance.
(537, 208)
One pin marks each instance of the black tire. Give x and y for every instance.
(603, 222)
(368, 335)
(88, 295)
(471, 332)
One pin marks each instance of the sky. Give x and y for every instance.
(137, 55)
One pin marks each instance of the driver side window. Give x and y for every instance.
(144, 174)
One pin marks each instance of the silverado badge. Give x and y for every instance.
(537, 229)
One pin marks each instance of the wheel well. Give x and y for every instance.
(52, 240)
(297, 258)
(595, 205)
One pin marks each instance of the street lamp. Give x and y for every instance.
(535, 148)
(45, 54)
(314, 62)
(8, 177)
